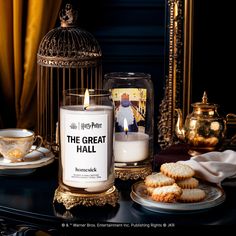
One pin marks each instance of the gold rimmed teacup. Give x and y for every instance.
(16, 143)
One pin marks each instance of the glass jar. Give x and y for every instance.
(132, 95)
(86, 141)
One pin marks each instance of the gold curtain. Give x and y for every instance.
(23, 25)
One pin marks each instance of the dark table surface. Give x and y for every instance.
(26, 204)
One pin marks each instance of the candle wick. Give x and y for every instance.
(126, 132)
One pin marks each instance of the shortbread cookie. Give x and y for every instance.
(177, 171)
(188, 183)
(158, 180)
(192, 195)
(149, 190)
(167, 193)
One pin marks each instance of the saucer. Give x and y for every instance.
(37, 158)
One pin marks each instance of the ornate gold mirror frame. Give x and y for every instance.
(178, 79)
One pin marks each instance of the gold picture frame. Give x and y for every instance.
(178, 80)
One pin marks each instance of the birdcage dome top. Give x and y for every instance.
(68, 45)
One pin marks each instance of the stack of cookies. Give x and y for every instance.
(174, 182)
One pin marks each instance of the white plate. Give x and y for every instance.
(43, 156)
(214, 196)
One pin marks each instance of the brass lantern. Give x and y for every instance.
(68, 57)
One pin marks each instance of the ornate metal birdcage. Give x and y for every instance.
(68, 57)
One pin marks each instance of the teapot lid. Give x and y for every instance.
(204, 104)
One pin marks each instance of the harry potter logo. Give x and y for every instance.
(91, 125)
(84, 126)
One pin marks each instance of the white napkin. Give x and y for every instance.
(214, 166)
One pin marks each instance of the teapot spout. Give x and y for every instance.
(179, 129)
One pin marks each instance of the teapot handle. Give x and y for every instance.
(230, 117)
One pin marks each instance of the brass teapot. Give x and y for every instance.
(204, 130)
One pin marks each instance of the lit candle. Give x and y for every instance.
(130, 146)
(86, 134)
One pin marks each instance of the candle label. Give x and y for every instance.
(130, 104)
(86, 147)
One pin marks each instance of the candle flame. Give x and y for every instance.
(126, 129)
(86, 99)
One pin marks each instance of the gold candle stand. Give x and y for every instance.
(133, 173)
(71, 199)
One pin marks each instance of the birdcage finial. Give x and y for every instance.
(68, 16)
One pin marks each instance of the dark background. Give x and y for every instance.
(214, 54)
(131, 34)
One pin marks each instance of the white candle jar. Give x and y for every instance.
(132, 95)
(86, 124)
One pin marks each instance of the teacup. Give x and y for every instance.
(16, 143)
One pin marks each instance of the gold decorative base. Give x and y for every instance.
(69, 199)
(133, 173)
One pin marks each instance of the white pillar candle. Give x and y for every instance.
(131, 147)
(86, 147)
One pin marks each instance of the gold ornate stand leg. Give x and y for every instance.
(70, 199)
(133, 173)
